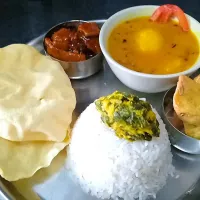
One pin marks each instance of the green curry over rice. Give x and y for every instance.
(130, 117)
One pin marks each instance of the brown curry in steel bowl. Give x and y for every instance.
(75, 45)
(74, 42)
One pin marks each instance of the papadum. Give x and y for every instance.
(20, 160)
(36, 105)
(36, 96)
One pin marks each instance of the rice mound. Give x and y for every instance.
(109, 167)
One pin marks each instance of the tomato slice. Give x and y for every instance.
(165, 12)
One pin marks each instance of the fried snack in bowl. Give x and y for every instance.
(186, 100)
(186, 103)
(36, 96)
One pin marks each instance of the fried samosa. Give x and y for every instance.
(186, 103)
(192, 130)
(186, 100)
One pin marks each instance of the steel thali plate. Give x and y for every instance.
(55, 182)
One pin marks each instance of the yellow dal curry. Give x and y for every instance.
(153, 48)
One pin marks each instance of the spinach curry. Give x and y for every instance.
(130, 117)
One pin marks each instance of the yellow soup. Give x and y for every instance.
(153, 48)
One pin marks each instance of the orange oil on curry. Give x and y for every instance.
(153, 48)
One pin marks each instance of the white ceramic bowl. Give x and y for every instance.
(139, 81)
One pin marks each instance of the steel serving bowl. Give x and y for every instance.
(76, 70)
(142, 82)
(175, 127)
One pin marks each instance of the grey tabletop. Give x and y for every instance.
(22, 20)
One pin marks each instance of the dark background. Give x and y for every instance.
(23, 20)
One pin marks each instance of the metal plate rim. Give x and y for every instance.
(6, 195)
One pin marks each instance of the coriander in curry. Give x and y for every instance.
(130, 117)
(153, 48)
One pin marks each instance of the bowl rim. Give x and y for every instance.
(61, 23)
(107, 25)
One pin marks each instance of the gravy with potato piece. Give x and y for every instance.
(153, 48)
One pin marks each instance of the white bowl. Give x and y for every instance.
(139, 81)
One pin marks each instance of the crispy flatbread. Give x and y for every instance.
(186, 100)
(36, 105)
(20, 160)
(36, 96)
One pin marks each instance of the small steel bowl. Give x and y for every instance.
(175, 127)
(76, 70)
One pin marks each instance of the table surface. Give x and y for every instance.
(23, 20)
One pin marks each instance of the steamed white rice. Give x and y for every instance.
(108, 167)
